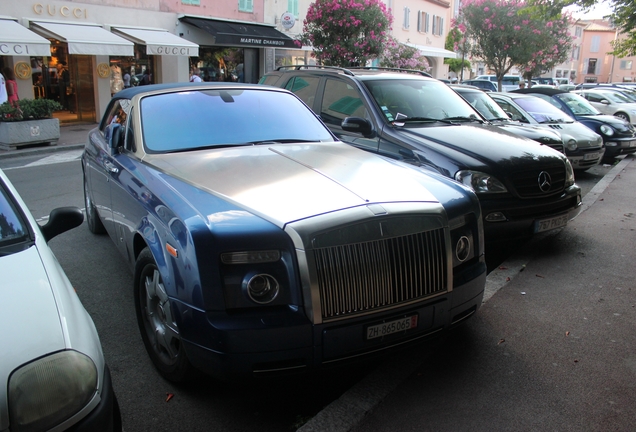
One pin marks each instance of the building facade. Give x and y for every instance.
(79, 53)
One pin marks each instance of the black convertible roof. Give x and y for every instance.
(541, 90)
(130, 92)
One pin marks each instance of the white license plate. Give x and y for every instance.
(390, 327)
(591, 156)
(552, 223)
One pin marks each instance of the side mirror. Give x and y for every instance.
(358, 125)
(61, 220)
(605, 102)
(114, 135)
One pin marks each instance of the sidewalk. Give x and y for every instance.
(71, 137)
(552, 348)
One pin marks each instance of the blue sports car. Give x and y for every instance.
(260, 244)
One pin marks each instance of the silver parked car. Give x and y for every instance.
(583, 147)
(52, 369)
(611, 102)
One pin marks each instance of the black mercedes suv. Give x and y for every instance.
(523, 186)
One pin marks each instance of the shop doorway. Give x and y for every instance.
(68, 80)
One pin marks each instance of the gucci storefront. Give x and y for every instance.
(81, 54)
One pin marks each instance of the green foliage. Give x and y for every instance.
(455, 41)
(346, 32)
(504, 34)
(29, 109)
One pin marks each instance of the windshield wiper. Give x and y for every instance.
(421, 119)
(281, 141)
(464, 118)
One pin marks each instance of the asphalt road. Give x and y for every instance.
(104, 285)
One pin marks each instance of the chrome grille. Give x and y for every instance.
(360, 277)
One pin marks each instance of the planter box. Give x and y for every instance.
(14, 135)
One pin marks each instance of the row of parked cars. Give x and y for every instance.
(323, 217)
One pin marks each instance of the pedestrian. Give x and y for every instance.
(146, 77)
(63, 80)
(522, 84)
(12, 86)
(126, 78)
(3, 90)
(194, 75)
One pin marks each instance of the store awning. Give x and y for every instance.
(16, 40)
(433, 51)
(90, 39)
(159, 42)
(241, 34)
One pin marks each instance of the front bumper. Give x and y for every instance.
(616, 147)
(521, 216)
(283, 341)
(582, 159)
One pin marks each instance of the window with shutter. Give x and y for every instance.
(292, 7)
(407, 13)
(596, 44)
(246, 5)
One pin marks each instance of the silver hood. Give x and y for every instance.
(289, 182)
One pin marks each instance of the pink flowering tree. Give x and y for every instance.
(346, 32)
(399, 55)
(504, 34)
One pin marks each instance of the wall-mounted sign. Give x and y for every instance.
(22, 70)
(288, 20)
(103, 70)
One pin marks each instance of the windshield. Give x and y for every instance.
(485, 105)
(617, 97)
(13, 228)
(190, 120)
(418, 98)
(579, 105)
(542, 111)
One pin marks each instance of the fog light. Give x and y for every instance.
(262, 288)
(496, 217)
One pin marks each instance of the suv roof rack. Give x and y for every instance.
(299, 67)
(415, 71)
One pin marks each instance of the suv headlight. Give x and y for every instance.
(48, 391)
(480, 182)
(569, 173)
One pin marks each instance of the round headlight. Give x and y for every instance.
(262, 288)
(462, 248)
(572, 145)
(607, 130)
(47, 391)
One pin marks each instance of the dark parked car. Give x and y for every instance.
(482, 84)
(583, 147)
(492, 112)
(619, 136)
(261, 244)
(422, 121)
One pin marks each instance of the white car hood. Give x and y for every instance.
(29, 316)
(289, 182)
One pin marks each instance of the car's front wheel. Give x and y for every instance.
(159, 330)
(93, 221)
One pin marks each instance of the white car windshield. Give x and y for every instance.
(196, 119)
(542, 111)
(579, 105)
(418, 99)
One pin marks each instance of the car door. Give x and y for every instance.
(596, 100)
(99, 170)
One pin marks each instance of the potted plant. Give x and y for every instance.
(29, 122)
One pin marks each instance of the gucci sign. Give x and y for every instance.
(63, 11)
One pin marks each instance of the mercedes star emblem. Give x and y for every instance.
(545, 181)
